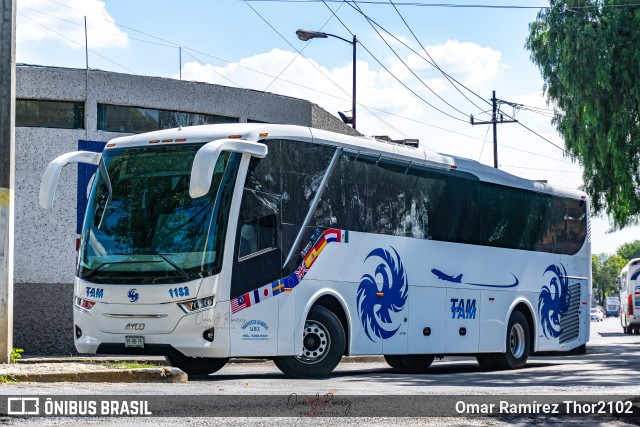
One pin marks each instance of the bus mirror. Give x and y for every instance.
(52, 173)
(207, 157)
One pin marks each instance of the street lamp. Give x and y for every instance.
(306, 35)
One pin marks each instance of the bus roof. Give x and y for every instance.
(262, 131)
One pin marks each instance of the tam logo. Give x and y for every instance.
(94, 292)
(463, 309)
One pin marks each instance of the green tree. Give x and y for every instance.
(629, 250)
(605, 270)
(589, 57)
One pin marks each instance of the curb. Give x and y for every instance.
(143, 375)
(161, 361)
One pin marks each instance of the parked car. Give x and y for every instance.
(596, 314)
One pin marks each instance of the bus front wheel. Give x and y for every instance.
(518, 341)
(197, 365)
(323, 344)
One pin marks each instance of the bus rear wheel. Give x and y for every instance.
(518, 341)
(323, 344)
(394, 361)
(417, 362)
(487, 361)
(197, 365)
(410, 362)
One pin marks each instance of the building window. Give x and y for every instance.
(49, 114)
(116, 118)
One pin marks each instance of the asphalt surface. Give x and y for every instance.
(610, 367)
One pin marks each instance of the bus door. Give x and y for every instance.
(256, 265)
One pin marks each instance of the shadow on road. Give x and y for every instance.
(603, 365)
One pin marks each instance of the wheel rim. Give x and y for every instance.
(315, 342)
(516, 340)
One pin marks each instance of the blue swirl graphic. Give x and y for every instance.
(395, 290)
(133, 295)
(554, 301)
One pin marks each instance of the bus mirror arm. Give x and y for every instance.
(52, 173)
(207, 156)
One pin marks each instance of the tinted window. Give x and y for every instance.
(258, 222)
(117, 118)
(49, 114)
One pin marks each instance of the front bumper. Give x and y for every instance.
(186, 337)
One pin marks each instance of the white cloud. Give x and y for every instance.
(468, 62)
(376, 88)
(39, 20)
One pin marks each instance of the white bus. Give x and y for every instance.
(629, 284)
(301, 245)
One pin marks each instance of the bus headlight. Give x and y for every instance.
(84, 304)
(197, 304)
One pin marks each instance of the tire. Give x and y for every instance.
(394, 361)
(417, 362)
(487, 361)
(323, 343)
(197, 365)
(579, 350)
(517, 344)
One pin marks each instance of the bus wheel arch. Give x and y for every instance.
(332, 303)
(527, 312)
(519, 336)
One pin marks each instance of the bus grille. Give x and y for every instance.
(570, 321)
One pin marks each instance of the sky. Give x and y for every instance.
(253, 45)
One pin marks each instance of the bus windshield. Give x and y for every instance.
(141, 224)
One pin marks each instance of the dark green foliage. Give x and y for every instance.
(630, 250)
(605, 270)
(590, 61)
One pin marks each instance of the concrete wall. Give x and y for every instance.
(45, 241)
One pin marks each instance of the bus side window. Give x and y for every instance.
(258, 222)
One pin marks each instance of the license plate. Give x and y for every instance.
(130, 341)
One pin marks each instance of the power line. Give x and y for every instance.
(318, 68)
(409, 68)
(298, 54)
(430, 57)
(390, 73)
(448, 5)
(74, 42)
(210, 67)
(95, 29)
(420, 55)
(368, 108)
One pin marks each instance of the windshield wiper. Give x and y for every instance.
(93, 271)
(174, 265)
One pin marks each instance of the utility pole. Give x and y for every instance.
(7, 172)
(494, 121)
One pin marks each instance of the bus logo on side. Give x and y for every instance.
(94, 292)
(463, 309)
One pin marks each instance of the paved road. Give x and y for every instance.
(611, 366)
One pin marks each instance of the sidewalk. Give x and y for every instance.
(96, 368)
